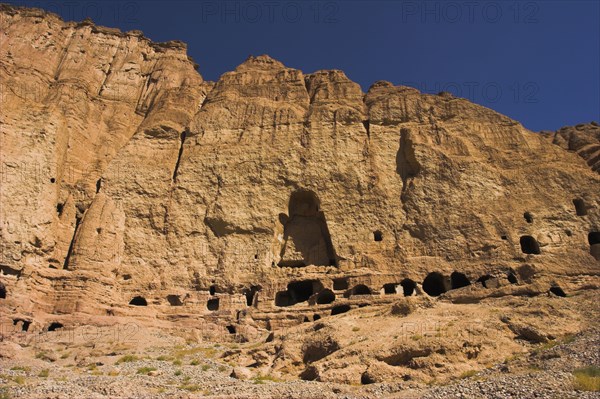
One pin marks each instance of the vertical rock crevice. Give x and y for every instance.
(182, 138)
(72, 244)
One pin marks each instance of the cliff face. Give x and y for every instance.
(125, 175)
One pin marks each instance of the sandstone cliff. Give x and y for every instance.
(267, 196)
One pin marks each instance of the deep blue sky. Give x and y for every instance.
(535, 61)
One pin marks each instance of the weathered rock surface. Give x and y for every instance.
(132, 188)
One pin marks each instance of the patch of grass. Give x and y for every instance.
(177, 372)
(127, 359)
(20, 368)
(587, 379)
(164, 358)
(205, 352)
(416, 337)
(65, 355)
(191, 387)
(92, 366)
(20, 380)
(177, 362)
(195, 362)
(222, 369)
(468, 374)
(205, 367)
(44, 373)
(113, 373)
(145, 370)
(355, 329)
(4, 394)
(261, 379)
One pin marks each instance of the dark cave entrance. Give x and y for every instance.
(512, 278)
(55, 326)
(340, 309)
(22, 324)
(360, 289)
(250, 294)
(297, 291)
(580, 208)
(212, 290)
(2, 291)
(556, 290)
(174, 300)
(528, 217)
(325, 297)
(483, 280)
(340, 284)
(212, 304)
(231, 329)
(138, 301)
(408, 286)
(529, 245)
(594, 241)
(458, 280)
(389, 289)
(306, 235)
(434, 284)
(377, 235)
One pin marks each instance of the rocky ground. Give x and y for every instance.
(133, 360)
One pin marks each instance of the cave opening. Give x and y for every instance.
(212, 304)
(174, 300)
(458, 280)
(483, 280)
(138, 301)
(23, 324)
(297, 291)
(340, 284)
(231, 329)
(556, 290)
(307, 240)
(340, 309)
(212, 290)
(580, 208)
(361, 289)
(512, 278)
(250, 294)
(316, 317)
(2, 291)
(528, 217)
(389, 289)
(377, 235)
(529, 245)
(594, 241)
(434, 284)
(408, 286)
(55, 326)
(325, 297)
(365, 379)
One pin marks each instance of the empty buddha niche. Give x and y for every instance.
(306, 238)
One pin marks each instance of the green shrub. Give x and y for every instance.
(587, 379)
(145, 370)
(127, 359)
